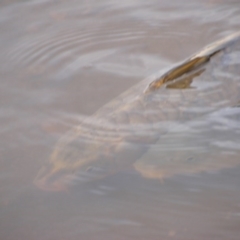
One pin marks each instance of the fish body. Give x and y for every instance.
(120, 132)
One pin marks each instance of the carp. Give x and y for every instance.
(120, 132)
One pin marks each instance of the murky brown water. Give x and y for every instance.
(60, 62)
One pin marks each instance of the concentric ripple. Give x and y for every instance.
(62, 48)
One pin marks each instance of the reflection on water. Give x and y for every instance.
(61, 62)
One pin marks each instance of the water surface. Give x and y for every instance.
(61, 61)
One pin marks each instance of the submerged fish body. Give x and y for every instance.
(120, 132)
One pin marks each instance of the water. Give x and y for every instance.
(63, 60)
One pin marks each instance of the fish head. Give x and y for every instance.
(77, 160)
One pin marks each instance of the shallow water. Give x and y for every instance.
(63, 60)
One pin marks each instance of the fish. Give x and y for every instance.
(117, 135)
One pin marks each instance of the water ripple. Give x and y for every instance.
(62, 48)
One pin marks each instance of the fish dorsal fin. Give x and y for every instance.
(196, 61)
